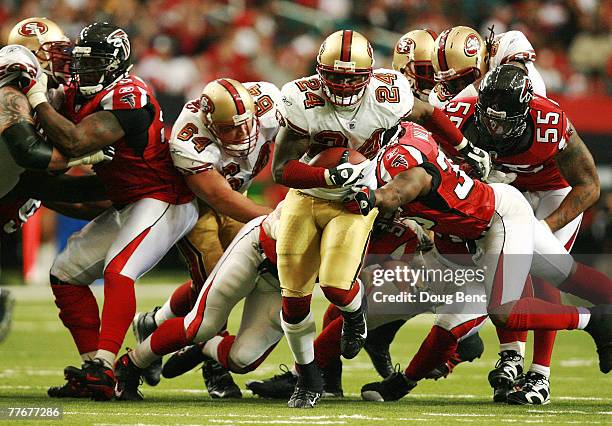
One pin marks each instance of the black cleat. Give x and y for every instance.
(600, 329)
(70, 389)
(219, 381)
(534, 389)
(95, 376)
(332, 380)
(309, 387)
(468, 350)
(143, 325)
(183, 361)
(128, 377)
(393, 388)
(354, 333)
(6, 313)
(280, 386)
(381, 358)
(508, 370)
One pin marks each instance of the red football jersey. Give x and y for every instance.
(392, 238)
(457, 205)
(535, 165)
(133, 173)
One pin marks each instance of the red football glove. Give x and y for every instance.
(362, 201)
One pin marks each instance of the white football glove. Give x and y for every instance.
(37, 94)
(478, 158)
(345, 173)
(105, 154)
(497, 176)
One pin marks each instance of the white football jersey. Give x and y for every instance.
(365, 127)
(13, 54)
(507, 47)
(194, 149)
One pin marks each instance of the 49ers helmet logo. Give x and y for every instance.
(33, 28)
(472, 45)
(405, 45)
(206, 105)
(120, 40)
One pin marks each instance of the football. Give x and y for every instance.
(330, 157)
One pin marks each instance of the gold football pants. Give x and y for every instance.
(319, 237)
(204, 245)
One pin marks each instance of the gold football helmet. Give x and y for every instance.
(459, 58)
(412, 57)
(344, 64)
(48, 43)
(228, 111)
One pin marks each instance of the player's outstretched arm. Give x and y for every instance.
(577, 167)
(27, 147)
(403, 188)
(214, 189)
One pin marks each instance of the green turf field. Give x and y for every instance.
(38, 349)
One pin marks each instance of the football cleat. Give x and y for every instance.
(332, 380)
(6, 313)
(600, 329)
(183, 361)
(508, 369)
(70, 389)
(95, 376)
(309, 387)
(533, 389)
(280, 386)
(392, 388)
(219, 381)
(143, 326)
(468, 350)
(380, 356)
(354, 333)
(129, 377)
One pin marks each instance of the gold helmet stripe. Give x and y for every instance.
(347, 40)
(240, 108)
(442, 50)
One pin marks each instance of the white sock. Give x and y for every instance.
(211, 347)
(107, 356)
(584, 316)
(517, 346)
(541, 369)
(143, 355)
(164, 313)
(300, 338)
(88, 356)
(356, 302)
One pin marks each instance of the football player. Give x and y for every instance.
(346, 104)
(412, 57)
(220, 142)
(414, 174)
(531, 137)
(152, 206)
(461, 58)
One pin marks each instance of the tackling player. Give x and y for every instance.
(346, 104)
(220, 143)
(152, 206)
(531, 137)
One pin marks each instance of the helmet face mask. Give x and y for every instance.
(454, 84)
(55, 58)
(422, 73)
(498, 125)
(344, 88)
(237, 139)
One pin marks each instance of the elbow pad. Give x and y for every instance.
(27, 147)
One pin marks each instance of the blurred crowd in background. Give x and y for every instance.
(180, 45)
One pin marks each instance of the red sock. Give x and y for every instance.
(589, 284)
(509, 336)
(169, 337)
(182, 299)
(327, 343)
(435, 350)
(79, 313)
(118, 310)
(544, 340)
(331, 314)
(340, 297)
(295, 309)
(534, 314)
(223, 350)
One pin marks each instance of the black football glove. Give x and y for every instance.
(345, 173)
(361, 201)
(109, 153)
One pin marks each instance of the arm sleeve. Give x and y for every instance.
(300, 175)
(27, 147)
(443, 130)
(134, 121)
